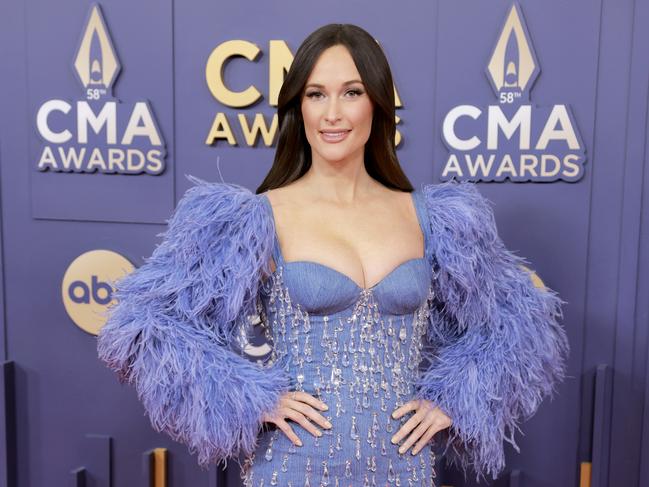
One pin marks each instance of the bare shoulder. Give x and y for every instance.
(280, 196)
(289, 205)
(391, 199)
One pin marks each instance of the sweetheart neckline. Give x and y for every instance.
(420, 222)
(360, 288)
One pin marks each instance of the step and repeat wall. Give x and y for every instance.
(107, 106)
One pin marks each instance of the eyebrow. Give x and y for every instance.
(317, 85)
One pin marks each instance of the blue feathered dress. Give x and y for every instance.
(464, 327)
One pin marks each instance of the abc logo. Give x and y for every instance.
(87, 287)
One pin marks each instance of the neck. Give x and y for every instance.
(343, 182)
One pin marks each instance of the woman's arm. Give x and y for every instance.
(499, 346)
(172, 331)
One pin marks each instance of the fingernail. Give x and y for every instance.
(324, 407)
(393, 440)
(394, 415)
(402, 449)
(328, 424)
(318, 432)
(414, 452)
(299, 443)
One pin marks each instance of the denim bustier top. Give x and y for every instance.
(321, 290)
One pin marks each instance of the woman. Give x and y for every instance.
(394, 314)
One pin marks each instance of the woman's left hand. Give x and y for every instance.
(427, 420)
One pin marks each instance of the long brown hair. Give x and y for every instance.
(293, 154)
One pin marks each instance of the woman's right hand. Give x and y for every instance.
(298, 406)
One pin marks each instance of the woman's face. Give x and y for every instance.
(336, 109)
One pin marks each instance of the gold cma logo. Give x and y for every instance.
(96, 63)
(513, 66)
(253, 126)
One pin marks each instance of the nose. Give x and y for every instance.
(331, 114)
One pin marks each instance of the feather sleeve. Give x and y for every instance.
(499, 348)
(172, 331)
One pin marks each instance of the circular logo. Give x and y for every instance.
(87, 287)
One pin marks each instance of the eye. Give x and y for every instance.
(318, 94)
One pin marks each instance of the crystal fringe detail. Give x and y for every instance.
(376, 367)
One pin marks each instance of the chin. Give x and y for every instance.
(337, 156)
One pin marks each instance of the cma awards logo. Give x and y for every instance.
(99, 132)
(523, 142)
(253, 127)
